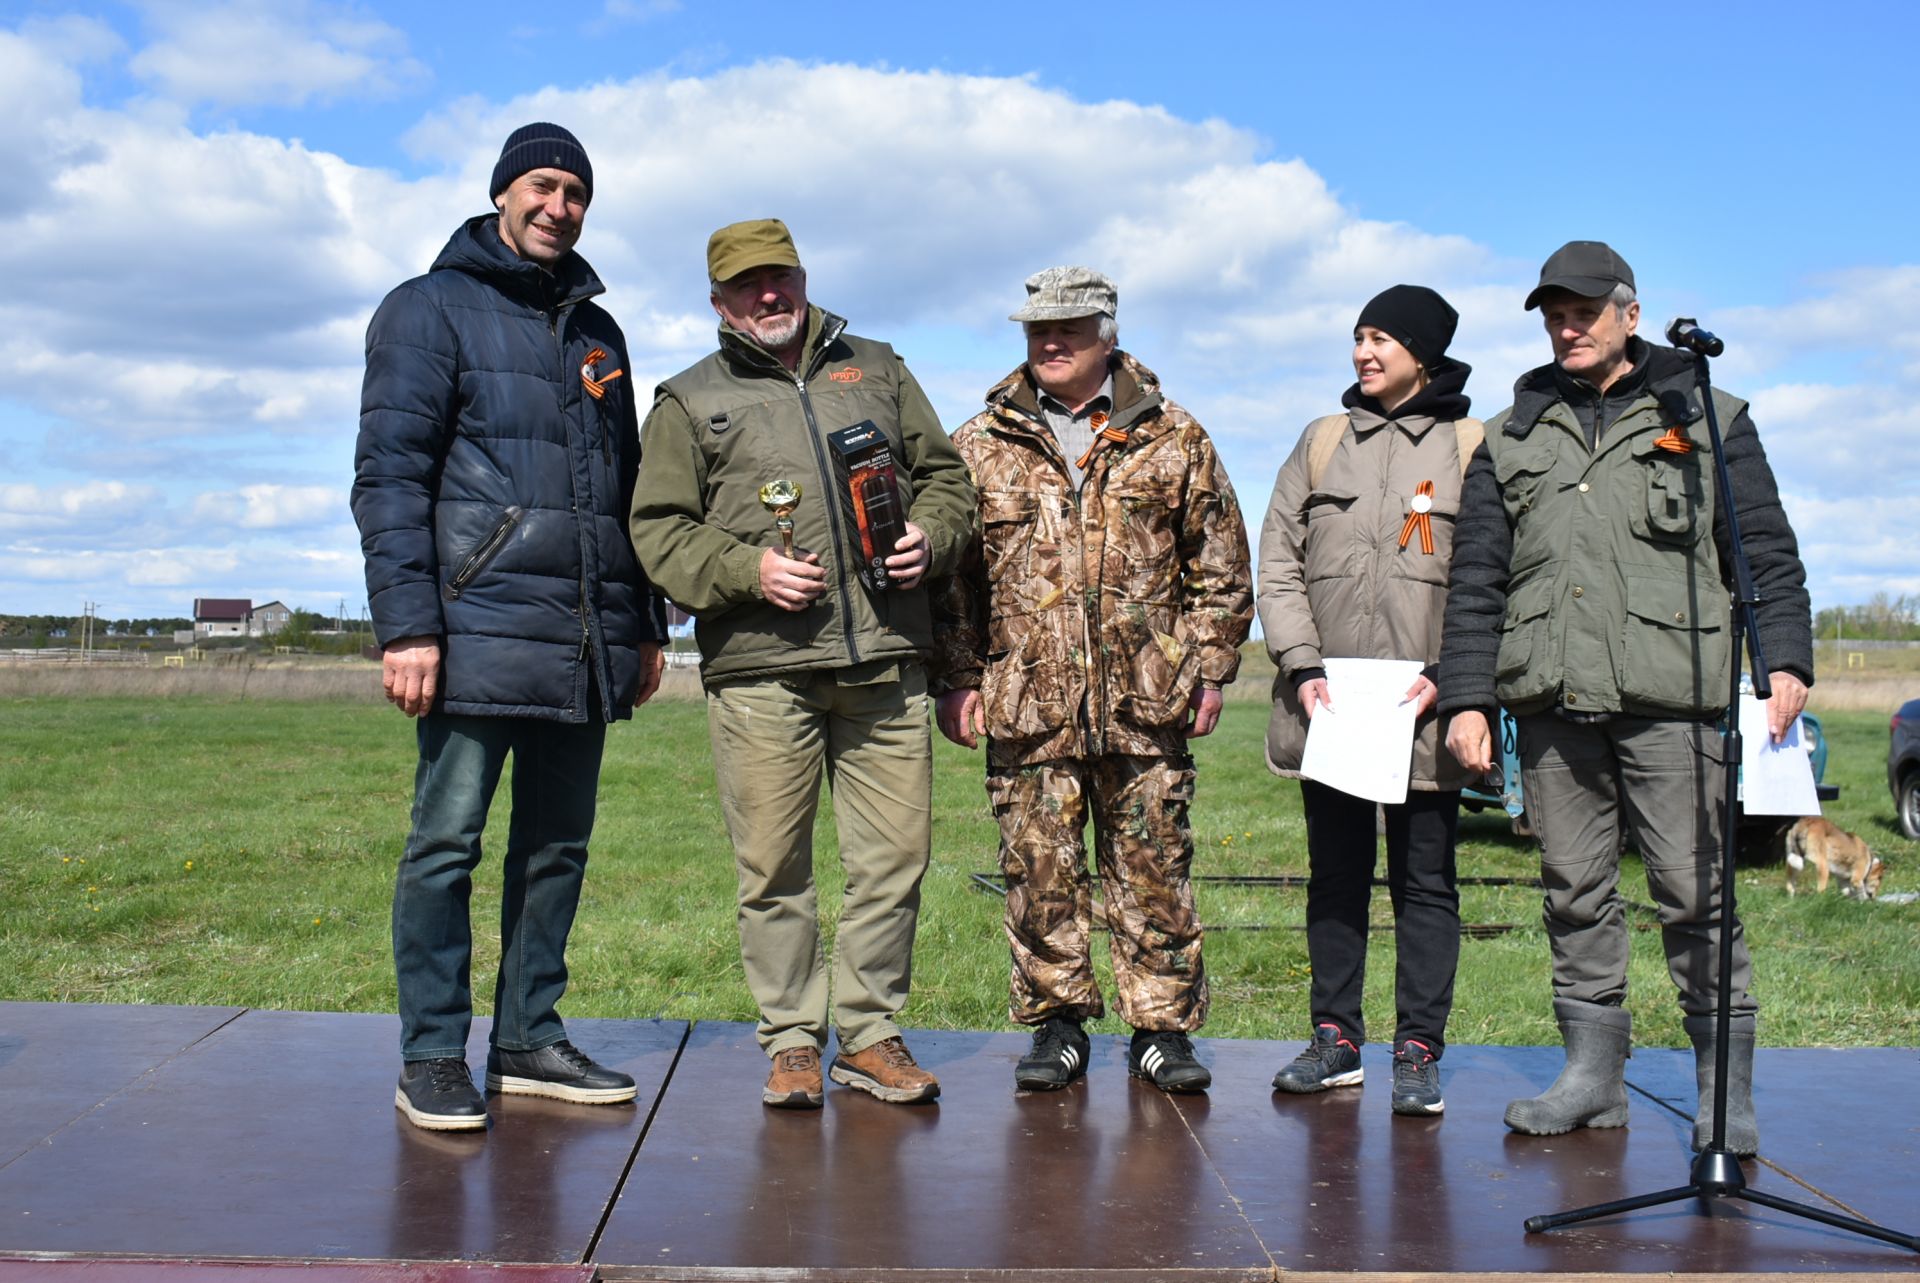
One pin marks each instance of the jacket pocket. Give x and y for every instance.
(1151, 669)
(1030, 684)
(1675, 646)
(1330, 546)
(482, 554)
(1520, 472)
(1007, 519)
(1674, 509)
(1525, 670)
(1144, 530)
(1413, 561)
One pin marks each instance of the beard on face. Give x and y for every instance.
(776, 331)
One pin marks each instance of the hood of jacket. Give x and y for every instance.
(476, 249)
(1443, 400)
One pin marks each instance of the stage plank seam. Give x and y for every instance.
(1765, 1162)
(633, 1155)
(123, 1088)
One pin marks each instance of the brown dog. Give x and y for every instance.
(1832, 852)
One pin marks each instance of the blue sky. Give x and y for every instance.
(213, 196)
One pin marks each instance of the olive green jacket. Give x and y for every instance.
(737, 419)
(1592, 578)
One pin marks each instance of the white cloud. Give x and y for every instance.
(280, 52)
(22, 502)
(270, 507)
(189, 306)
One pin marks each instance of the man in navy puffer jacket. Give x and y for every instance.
(495, 467)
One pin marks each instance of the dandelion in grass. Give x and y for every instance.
(189, 866)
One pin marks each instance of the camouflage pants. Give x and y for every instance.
(1144, 850)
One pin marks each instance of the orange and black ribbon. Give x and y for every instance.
(1675, 441)
(1101, 432)
(1420, 518)
(596, 386)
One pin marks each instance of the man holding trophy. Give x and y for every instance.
(797, 493)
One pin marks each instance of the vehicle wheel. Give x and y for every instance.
(1762, 840)
(1910, 806)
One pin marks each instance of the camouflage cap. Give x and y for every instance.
(741, 247)
(1062, 293)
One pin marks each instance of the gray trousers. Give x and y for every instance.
(1662, 779)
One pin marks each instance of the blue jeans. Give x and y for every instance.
(556, 776)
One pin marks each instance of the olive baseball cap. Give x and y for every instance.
(1587, 268)
(1062, 293)
(741, 247)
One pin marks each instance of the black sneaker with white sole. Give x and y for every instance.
(439, 1096)
(1057, 1057)
(1164, 1057)
(559, 1071)
(1416, 1080)
(1330, 1060)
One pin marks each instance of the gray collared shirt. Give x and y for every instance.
(1073, 430)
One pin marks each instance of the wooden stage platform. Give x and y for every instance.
(195, 1143)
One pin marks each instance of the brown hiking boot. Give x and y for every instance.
(886, 1070)
(795, 1080)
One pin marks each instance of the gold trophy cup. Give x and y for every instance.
(781, 498)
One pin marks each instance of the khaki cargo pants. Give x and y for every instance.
(866, 729)
(1144, 849)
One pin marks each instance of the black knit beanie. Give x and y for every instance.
(540, 146)
(1419, 319)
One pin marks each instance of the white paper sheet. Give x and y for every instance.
(1775, 779)
(1362, 743)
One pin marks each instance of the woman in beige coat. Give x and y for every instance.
(1353, 564)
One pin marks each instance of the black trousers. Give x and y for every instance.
(1341, 853)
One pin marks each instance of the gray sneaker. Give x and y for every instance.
(1416, 1080)
(1330, 1060)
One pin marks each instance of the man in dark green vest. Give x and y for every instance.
(1590, 597)
(810, 654)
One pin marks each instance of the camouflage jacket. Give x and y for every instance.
(1087, 619)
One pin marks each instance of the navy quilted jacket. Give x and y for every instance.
(491, 487)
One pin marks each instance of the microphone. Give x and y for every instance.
(1683, 333)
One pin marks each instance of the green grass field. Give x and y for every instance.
(212, 851)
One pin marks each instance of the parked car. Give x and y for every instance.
(1759, 834)
(1903, 766)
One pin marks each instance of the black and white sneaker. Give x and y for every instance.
(439, 1096)
(559, 1071)
(1416, 1080)
(1330, 1060)
(1164, 1057)
(1057, 1057)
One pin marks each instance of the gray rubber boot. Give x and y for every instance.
(1743, 1130)
(1592, 1090)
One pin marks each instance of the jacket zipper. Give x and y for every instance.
(1090, 591)
(580, 520)
(484, 552)
(834, 516)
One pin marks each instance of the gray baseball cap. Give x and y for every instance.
(1062, 293)
(1587, 268)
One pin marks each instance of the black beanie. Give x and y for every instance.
(1419, 319)
(540, 146)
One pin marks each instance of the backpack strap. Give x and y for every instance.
(1323, 438)
(1468, 433)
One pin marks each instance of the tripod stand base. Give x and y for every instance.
(1717, 1175)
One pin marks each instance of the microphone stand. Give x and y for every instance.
(1716, 1172)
